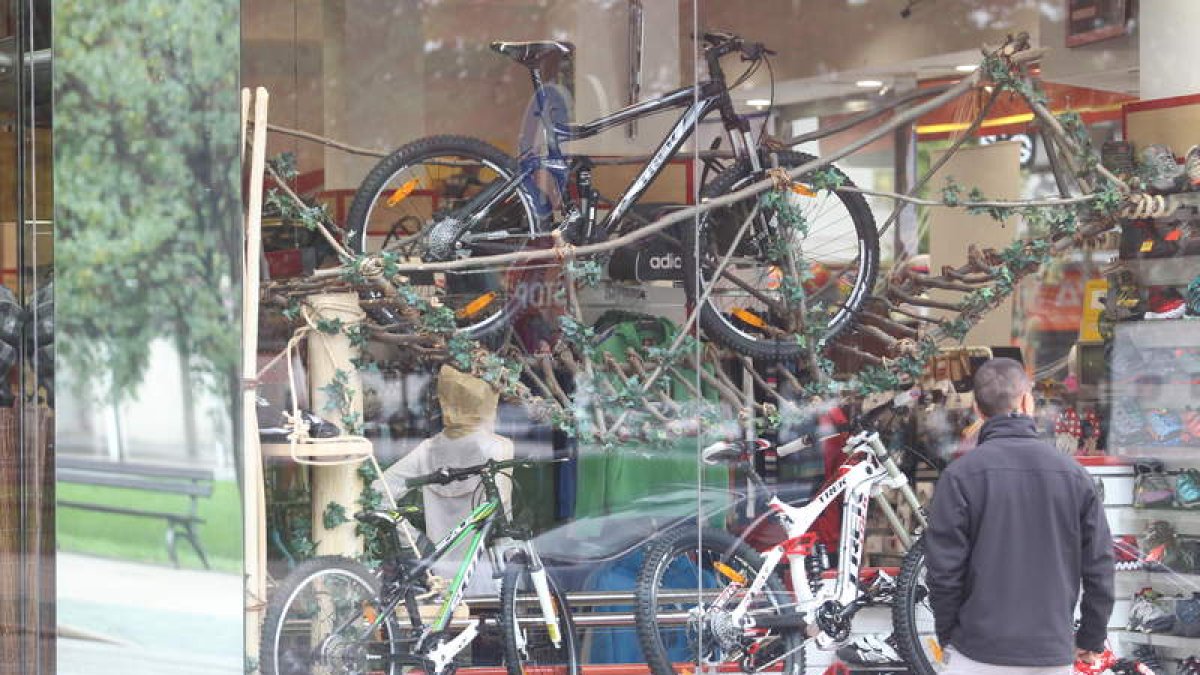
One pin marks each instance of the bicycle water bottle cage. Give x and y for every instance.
(533, 55)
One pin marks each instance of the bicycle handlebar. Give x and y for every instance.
(446, 475)
(721, 43)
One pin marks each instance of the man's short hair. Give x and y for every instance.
(999, 385)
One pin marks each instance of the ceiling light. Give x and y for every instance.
(967, 68)
(868, 84)
(759, 102)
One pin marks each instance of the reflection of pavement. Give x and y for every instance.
(154, 619)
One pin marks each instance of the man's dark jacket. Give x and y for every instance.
(1014, 530)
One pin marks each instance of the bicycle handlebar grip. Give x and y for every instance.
(753, 51)
(802, 443)
(717, 452)
(438, 477)
(715, 38)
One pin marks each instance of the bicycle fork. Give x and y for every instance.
(541, 588)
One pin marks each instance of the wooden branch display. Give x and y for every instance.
(891, 338)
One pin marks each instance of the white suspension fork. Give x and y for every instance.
(541, 586)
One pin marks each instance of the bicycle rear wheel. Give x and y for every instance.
(415, 195)
(829, 261)
(529, 647)
(912, 616)
(674, 626)
(314, 622)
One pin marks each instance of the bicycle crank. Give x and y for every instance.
(834, 621)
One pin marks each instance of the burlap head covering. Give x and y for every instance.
(468, 403)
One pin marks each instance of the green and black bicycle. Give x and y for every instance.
(333, 616)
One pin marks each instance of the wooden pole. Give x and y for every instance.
(254, 536)
(329, 354)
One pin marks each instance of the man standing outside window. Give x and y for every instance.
(1015, 530)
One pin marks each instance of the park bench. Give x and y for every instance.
(193, 482)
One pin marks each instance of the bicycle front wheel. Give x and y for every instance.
(314, 623)
(419, 196)
(794, 279)
(531, 645)
(912, 616)
(678, 618)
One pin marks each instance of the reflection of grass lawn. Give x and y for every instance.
(144, 539)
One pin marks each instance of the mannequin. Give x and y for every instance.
(469, 416)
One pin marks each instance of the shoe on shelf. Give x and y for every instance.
(871, 650)
(1191, 166)
(1187, 616)
(1187, 489)
(1192, 297)
(1149, 613)
(1165, 303)
(1146, 656)
(1162, 173)
(274, 425)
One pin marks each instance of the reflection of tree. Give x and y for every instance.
(145, 157)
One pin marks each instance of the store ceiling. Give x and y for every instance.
(939, 36)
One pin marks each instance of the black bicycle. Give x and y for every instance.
(451, 197)
(333, 616)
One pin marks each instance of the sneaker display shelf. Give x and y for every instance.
(1153, 393)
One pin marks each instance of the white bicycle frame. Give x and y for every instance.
(868, 471)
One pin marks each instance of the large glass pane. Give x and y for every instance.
(815, 224)
(145, 296)
(454, 108)
(26, 353)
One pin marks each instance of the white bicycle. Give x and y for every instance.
(741, 610)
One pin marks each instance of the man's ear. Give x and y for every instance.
(1027, 404)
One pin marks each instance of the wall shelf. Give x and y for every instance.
(1155, 639)
(1159, 333)
(1177, 271)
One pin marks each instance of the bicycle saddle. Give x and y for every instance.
(533, 54)
(386, 518)
(732, 452)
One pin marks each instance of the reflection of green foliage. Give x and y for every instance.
(146, 178)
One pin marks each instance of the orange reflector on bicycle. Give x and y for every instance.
(369, 613)
(730, 573)
(476, 306)
(774, 278)
(402, 192)
(749, 317)
(936, 650)
(803, 190)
